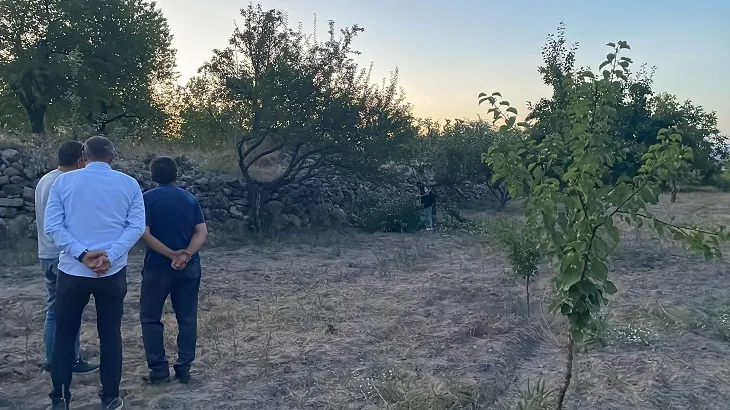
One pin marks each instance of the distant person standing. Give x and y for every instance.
(70, 158)
(428, 201)
(95, 216)
(175, 232)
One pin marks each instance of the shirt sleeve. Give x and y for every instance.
(55, 224)
(134, 229)
(198, 217)
(146, 200)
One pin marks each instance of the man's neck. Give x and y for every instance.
(65, 169)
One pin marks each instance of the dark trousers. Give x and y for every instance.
(72, 296)
(183, 287)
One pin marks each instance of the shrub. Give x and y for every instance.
(522, 251)
(387, 214)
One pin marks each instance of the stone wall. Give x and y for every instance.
(316, 203)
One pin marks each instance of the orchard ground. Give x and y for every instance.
(388, 321)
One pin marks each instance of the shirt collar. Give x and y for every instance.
(98, 165)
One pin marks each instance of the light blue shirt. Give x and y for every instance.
(95, 208)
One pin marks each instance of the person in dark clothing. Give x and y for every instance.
(428, 201)
(175, 232)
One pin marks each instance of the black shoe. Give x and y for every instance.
(82, 366)
(60, 405)
(156, 380)
(183, 377)
(112, 404)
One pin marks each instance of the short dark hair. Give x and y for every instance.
(163, 170)
(99, 149)
(69, 153)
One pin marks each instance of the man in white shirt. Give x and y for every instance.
(70, 158)
(95, 216)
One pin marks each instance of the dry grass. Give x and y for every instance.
(410, 322)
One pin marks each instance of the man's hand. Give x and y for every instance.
(98, 261)
(180, 259)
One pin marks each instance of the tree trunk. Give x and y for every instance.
(254, 213)
(527, 292)
(37, 118)
(568, 373)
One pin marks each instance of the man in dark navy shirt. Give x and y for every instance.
(175, 232)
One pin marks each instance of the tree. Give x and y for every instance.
(454, 153)
(122, 47)
(640, 114)
(699, 131)
(305, 101)
(573, 203)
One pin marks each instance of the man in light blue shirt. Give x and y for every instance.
(70, 157)
(95, 216)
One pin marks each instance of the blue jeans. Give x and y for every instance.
(50, 269)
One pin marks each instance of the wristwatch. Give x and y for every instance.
(81, 257)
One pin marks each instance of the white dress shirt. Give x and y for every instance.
(95, 208)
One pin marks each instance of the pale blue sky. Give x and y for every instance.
(449, 51)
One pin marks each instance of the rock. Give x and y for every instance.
(232, 181)
(4, 180)
(241, 202)
(17, 180)
(295, 220)
(12, 189)
(236, 212)
(275, 208)
(219, 214)
(11, 202)
(207, 214)
(29, 194)
(11, 172)
(11, 155)
(202, 183)
(29, 173)
(8, 212)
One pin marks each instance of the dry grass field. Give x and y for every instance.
(408, 322)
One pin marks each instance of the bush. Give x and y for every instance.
(522, 251)
(388, 214)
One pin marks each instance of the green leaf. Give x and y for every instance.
(614, 234)
(603, 64)
(610, 57)
(513, 110)
(599, 270)
(497, 94)
(505, 102)
(609, 287)
(611, 45)
(648, 196)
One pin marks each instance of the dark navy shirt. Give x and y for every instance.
(172, 214)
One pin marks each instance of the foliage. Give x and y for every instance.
(108, 53)
(304, 100)
(454, 153)
(572, 199)
(522, 251)
(640, 114)
(450, 219)
(534, 397)
(387, 214)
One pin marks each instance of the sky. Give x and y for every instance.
(447, 52)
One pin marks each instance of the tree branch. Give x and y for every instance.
(682, 229)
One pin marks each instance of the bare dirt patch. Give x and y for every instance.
(407, 322)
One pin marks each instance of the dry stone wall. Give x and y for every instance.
(316, 203)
